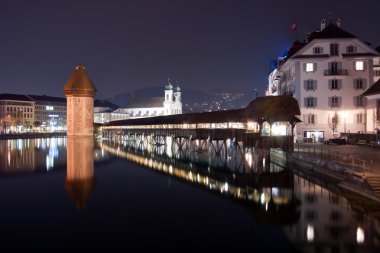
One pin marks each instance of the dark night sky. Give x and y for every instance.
(130, 44)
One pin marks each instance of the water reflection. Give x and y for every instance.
(30, 155)
(80, 179)
(267, 190)
(315, 218)
(329, 222)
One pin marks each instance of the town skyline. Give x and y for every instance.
(127, 46)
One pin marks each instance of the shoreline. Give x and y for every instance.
(31, 135)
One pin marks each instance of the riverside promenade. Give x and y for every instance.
(352, 169)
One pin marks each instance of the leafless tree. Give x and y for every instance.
(334, 122)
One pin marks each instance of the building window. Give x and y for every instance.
(335, 84)
(334, 49)
(359, 65)
(310, 102)
(360, 118)
(310, 119)
(360, 101)
(310, 85)
(359, 84)
(309, 67)
(377, 72)
(351, 49)
(334, 101)
(317, 50)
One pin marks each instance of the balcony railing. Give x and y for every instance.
(336, 72)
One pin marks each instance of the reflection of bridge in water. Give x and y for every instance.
(266, 190)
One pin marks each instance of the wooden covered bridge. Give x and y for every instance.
(267, 122)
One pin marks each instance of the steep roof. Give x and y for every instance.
(79, 83)
(373, 90)
(105, 103)
(45, 98)
(331, 31)
(146, 102)
(6, 96)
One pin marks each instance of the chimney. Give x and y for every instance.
(338, 22)
(323, 24)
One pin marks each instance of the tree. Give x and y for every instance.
(334, 122)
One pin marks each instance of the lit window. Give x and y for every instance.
(359, 65)
(309, 67)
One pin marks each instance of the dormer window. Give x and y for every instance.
(317, 50)
(351, 49)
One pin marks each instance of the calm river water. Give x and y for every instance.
(84, 195)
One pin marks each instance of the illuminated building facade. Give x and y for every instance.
(16, 113)
(157, 106)
(105, 111)
(327, 75)
(49, 113)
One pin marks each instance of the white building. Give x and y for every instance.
(157, 106)
(105, 111)
(327, 74)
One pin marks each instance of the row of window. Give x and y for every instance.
(50, 108)
(312, 118)
(17, 115)
(335, 68)
(335, 101)
(49, 112)
(18, 109)
(334, 49)
(336, 84)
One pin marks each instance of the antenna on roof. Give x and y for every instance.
(338, 22)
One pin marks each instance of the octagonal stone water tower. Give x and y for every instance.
(80, 92)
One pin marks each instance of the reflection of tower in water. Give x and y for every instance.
(80, 92)
(80, 169)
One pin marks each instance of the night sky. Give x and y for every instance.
(131, 44)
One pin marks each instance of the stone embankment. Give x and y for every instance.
(342, 176)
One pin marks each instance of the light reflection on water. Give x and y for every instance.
(313, 217)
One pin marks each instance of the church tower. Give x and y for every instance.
(177, 100)
(80, 91)
(168, 102)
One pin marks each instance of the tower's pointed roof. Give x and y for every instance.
(79, 83)
(169, 86)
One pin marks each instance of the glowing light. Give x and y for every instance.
(225, 186)
(310, 233)
(262, 198)
(248, 158)
(170, 169)
(360, 235)
(251, 125)
(278, 129)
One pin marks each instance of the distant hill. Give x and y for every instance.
(193, 100)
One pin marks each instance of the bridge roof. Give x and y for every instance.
(270, 108)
